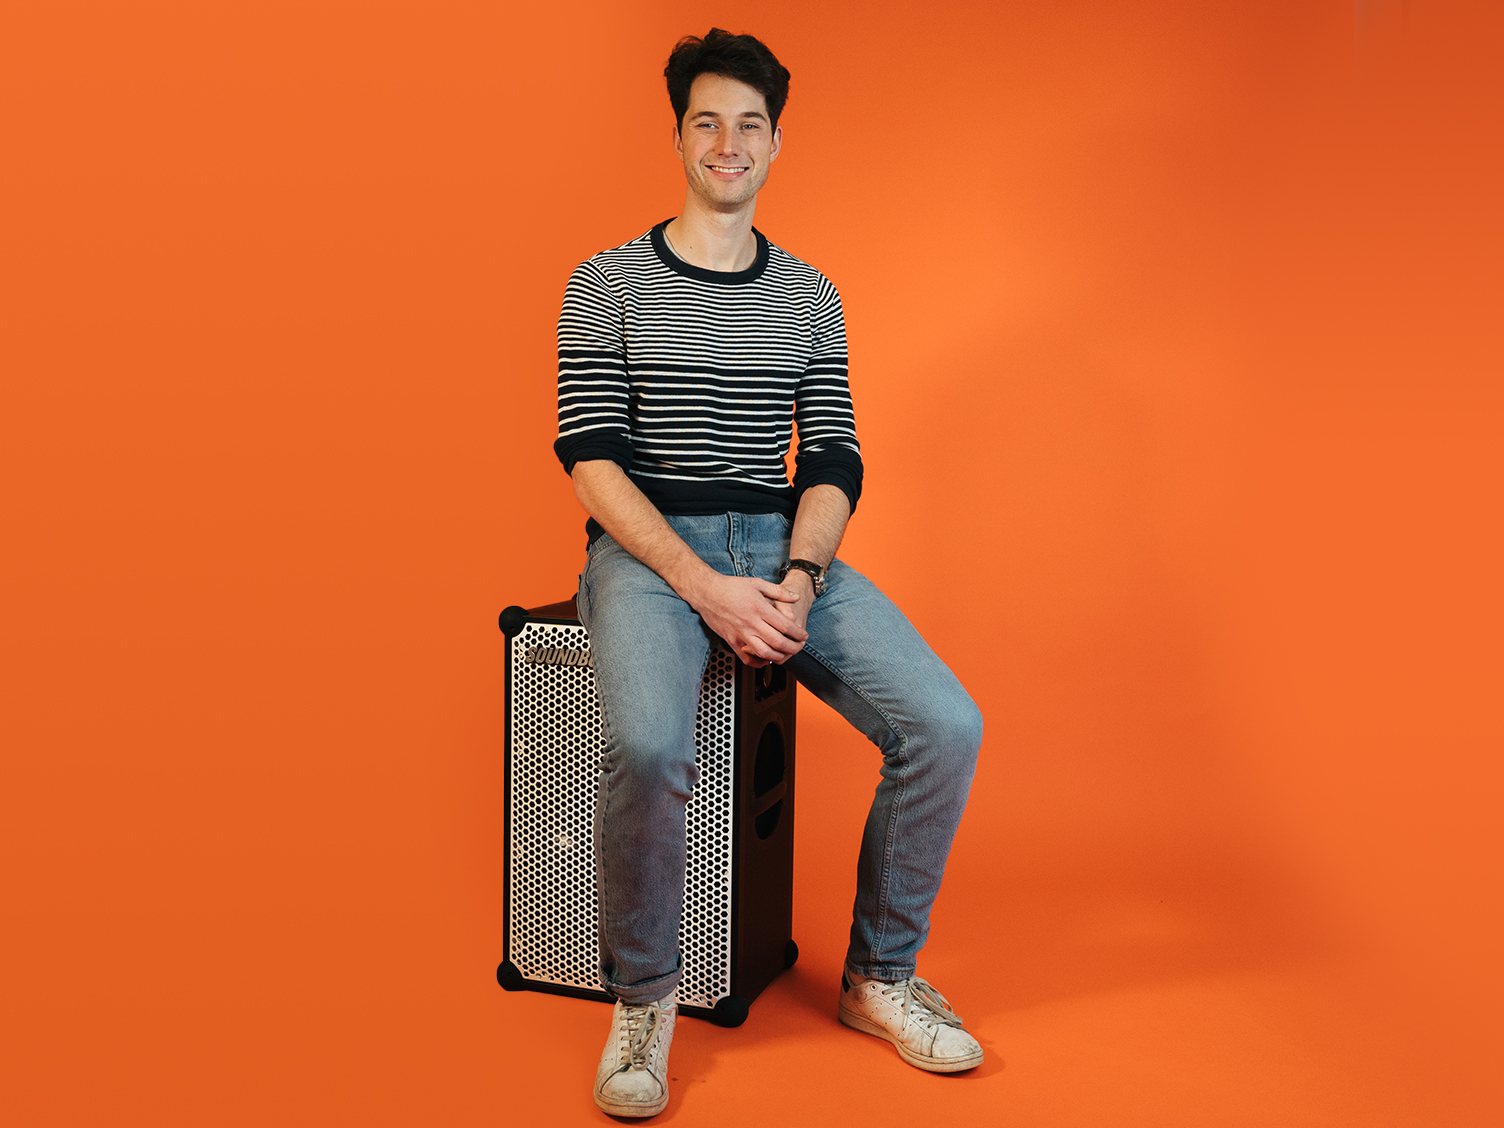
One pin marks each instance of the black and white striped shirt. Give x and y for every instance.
(693, 380)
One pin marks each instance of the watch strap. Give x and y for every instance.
(810, 568)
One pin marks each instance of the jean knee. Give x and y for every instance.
(970, 725)
(954, 732)
(652, 767)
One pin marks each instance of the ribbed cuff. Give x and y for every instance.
(842, 472)
(588, 448)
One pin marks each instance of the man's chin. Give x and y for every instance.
(727, 196)
(726, 203)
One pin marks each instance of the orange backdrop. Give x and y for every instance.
(1175, 360)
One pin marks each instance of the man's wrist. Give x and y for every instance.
(690, 578)
(815, 572)
(801, 581)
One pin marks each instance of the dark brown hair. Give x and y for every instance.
(741, 57)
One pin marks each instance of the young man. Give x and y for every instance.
(686, 358)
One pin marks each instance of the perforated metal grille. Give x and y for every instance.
(705, 930)
(556, 750)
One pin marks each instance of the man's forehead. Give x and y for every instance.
(718, 95)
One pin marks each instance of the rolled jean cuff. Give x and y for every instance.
(873, 971)
(649, 990)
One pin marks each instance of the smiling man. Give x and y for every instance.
(687, 358)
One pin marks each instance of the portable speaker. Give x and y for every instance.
(739, 884)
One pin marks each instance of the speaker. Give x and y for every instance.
(735, 934)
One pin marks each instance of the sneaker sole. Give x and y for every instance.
(606, 1105)
(918, 1061)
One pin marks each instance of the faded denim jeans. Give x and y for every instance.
(863, 658)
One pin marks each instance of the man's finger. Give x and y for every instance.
(782, 631)
(774, 592)
(772, 648)
(752, 654)
(785, 625)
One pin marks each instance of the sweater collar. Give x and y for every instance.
(699, 273)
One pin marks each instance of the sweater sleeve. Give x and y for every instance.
(828, 451)
(593, 421)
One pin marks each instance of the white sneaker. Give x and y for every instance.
(632, 1079)
(915, 1017)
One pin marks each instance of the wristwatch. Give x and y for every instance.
(813, 570)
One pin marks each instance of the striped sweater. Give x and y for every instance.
(693, 380)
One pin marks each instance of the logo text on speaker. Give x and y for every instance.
(558, 656)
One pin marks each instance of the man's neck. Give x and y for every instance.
(713, 240)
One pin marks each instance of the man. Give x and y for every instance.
(686, 358)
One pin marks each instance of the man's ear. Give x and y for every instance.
(678, 143)
(777, 143)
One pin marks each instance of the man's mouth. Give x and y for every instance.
(728, 168)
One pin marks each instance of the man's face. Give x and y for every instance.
(726, 141)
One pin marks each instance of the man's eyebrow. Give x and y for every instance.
(714, 114)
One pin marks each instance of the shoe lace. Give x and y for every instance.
(641, 1027)
(921, 1002)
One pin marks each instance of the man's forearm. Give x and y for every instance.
(819, 524)
(634, 522)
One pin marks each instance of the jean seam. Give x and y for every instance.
(600, 869)
(898, 794)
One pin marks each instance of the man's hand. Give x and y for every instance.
(799, 589)
(756, 618)
(762, 622)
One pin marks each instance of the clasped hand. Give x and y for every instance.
(762, 622)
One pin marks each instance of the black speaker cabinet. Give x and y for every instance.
(738, 890)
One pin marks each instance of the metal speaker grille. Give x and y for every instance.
(556, 747)
(705, 929)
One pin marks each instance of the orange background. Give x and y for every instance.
(1176, 366)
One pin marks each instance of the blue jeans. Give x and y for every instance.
(863, 658)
